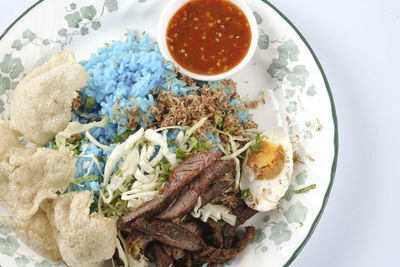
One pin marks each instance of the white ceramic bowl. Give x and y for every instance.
(166, 16)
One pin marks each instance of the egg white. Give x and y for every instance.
(266, 194)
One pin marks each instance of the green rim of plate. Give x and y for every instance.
(333, 110)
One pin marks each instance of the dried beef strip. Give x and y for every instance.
(187, 200)
(215, 190)
(243, 213)
(216, 255)
(216, 236)
(169, 233)
(136, 242)
(162, 259)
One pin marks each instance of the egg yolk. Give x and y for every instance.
(268, 162)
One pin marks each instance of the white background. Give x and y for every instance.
(358, 44)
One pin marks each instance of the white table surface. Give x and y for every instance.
(358, 44)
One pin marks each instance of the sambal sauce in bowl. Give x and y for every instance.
(208, 39)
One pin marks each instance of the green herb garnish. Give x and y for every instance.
(230, 129)
(170, 141)
(197, 147)
(219, 122)
(180, 154)
(202, 146)
(166, 169)
(87, 178)
(182, 219)
(223, 228)
(207, 145)
(165, 166)
(76, 151)
(305, 189)
(122, 137)
(117, 172)
(117, 206)
(163, 178)
(90, 103)
(75, 146)
(257, 145)
(93, 207)
(246, 193)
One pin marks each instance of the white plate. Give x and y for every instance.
(283, 62)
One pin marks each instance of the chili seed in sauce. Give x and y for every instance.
(215, 31)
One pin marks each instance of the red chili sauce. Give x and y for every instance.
(208, 36)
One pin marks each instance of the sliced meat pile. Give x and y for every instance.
(188, 199)
(164, 231)
(178, 180)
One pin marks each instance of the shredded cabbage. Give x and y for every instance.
(76, 127)
(179, 139)
(93, 161)
(97, 143)
(190, 131)
(140, 169)
(235, 153)
(215, 212)
(119, 151)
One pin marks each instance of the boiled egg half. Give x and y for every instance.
(267, 173)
